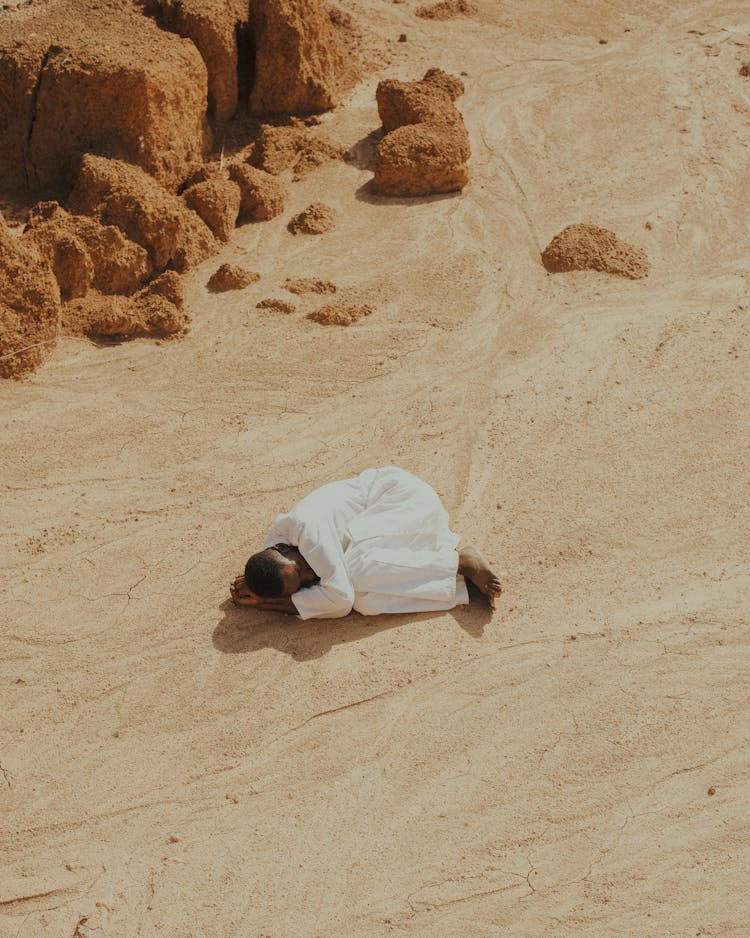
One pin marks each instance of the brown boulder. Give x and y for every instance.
(262, 196)
(156, 312)
(413, 102)
(20, 63)
(422, 159)
(112, 263)
(278, 148)
(300, 59)
(315, 219)
(29, 307)
(217, 201)
(587, 247)
(339, 315)
(214, 27)
(118, 194)
(447, 10)
(135, 93)
(231, 277)
(426, 146)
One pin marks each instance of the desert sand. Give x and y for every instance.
(574, 763)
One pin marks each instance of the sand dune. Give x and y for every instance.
(573, 764)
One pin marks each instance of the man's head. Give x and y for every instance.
(278, 571)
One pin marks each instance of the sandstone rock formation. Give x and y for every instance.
(217, 200)
(156, 312)
(138, 96)
(29, 307)
(587, 247)
(300, 59)
(315, 219)
(339, 315)
(447, 10)
(111, 262)
(278, 306)
(231, 277)
(217, 28)
(301, 285)
(278, 148)
(426, 145)
(261, 196)
(118, 194)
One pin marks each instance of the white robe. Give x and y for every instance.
(379, 542)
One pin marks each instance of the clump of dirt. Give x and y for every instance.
(230, 277)
(301, 285)
(29, 307)
(262, 197)
(315, 219)
(279, 306)
(339, 315)
(138, 94)
(426, 146)
(215, 27)
(278, 148)
(83, 253)
(586, 247)
(155, 312)
(217, 200)
(447, 10)
(301, 62)
(118, 194)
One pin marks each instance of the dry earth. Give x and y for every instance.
(571, 765)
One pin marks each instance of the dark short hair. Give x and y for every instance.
(263, 574)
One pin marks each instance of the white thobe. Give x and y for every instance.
(379, 542)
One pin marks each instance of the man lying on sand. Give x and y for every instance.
(379, 542)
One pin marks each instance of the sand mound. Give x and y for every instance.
(261, 196)
(301, 285)
(137, 95)
(124, 196)
(300, 60)
(315, 219)
(279, 306)
(426, 145)
(279, 148)
(29, 307)
(586, 247)
(82, 252)
(447, 10)
(230, 277)
(217, 200)
(216, 27)
(154, 312)
(339, 315)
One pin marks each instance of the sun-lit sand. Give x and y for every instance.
(574, 763)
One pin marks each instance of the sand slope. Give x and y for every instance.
(174, 766)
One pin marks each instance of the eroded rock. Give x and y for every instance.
(587, 247)
(118, 194)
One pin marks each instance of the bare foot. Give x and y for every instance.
(241, 595)
(473, 566)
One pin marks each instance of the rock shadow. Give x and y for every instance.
(362, 153)
(366, 193)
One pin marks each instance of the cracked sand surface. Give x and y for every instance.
(544, 770)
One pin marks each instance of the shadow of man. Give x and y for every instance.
(244, 630)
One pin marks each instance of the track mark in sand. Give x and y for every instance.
(324, 713)
(6, 775)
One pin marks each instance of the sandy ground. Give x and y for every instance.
(573, 764)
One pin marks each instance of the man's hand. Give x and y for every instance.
(243, 596)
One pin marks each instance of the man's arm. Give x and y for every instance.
(282, 604)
